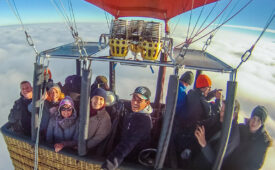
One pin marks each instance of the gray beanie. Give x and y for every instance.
(261, 112)
(187, 77)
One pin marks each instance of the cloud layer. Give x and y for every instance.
(256, 78)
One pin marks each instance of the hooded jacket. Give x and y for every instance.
(99, 128)
(251, 152)
(63, 130)
(135, 135)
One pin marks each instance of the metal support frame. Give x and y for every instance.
(226, 125)
(37, 83)
(78, 67)
(84, 111)
(166, 130)
(112, 76)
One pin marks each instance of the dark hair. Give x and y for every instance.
(24, 82)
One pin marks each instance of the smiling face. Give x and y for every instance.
(54, 94)
(138, 103)
(254, 124)
(26, 90)
(66, 111)
(97, 102)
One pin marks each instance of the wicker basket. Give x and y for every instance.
(22, 156)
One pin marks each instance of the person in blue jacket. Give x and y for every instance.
(135, 131)
(186, 80)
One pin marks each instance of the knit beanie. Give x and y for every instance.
(66, 101)
(187, 77)
(203, 81)
(99, 92)
(261, 112)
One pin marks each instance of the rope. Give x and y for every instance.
(198, 18)
(225, 21)
(41, 108)
(190, 19)
(207, 16)
(207, 25)
(71, 23)
(213, 20)
(248, 53)
(16, 13)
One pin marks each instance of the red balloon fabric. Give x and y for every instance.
(160, 9)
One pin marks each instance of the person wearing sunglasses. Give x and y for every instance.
(135, 130)
(63, 127)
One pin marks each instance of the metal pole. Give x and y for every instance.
(112, 76)
(226, 126)
(37, 82)
(160, 82)
(78, 67)
(171, 101)
(84, 111)
(198, 72)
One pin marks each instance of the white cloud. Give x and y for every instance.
(249, 28)
(256, 78)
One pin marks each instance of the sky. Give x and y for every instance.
(256, 78)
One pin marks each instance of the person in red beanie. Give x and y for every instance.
(198, 112)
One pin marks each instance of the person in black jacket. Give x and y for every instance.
(199, 111)
(135, 131)
(20, 117)
(209, 148)
(254, 143)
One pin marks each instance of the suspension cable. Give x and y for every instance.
(40, 114)
(198, 18)
(28, 37)
(207, 16)
(213, 20)
(209, 40)
(190, 20)
(207, 25)
(73, 28)
(224, 21)
(248, 53)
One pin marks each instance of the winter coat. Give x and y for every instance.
(135, 135)
(205, 160)
(63, 130)
(198, 108)
(181, 99)
(250, 154)
(49, 110)
(99, 128)
(20, 117)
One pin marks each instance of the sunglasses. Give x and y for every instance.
(66, 109)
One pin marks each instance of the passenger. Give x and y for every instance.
(255, 140)
(199, 111)
(63, 127)
(20, 117)
(135, 131)
(48, 78)
(72, 88)
(198, 107)
(185, 80)
(100, 82)
(209, 148)
(100, 121)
